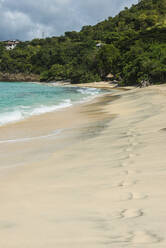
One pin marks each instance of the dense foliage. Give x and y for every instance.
(131, 46)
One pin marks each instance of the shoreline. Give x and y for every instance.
(100, 182)
(29, 130)
(98, 85)
(61, 106)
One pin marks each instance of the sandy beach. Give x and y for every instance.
(92, 175)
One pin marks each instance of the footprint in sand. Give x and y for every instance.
(127, 183)
(7, 225)
(129, 149)
(139, 237)
(127, 162)
(124, 164)
(131, 213)
(134, 143)
(163, 129)
(132, 155)
(134, 196)
(132, 172)
(126, 197)
(133, 133)
(114, 197)
(121, 238)
(131, 140)
(126, 214)
(139, 196)
(145, 237)
(129, 133)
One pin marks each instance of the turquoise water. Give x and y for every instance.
(22, 100)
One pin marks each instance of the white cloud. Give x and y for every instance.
(25, 20)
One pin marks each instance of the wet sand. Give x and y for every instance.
(99, 183)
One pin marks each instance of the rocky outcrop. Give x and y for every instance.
(19, 77)
(144, 83)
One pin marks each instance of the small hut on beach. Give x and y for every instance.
(110, 77)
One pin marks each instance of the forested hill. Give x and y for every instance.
(131, 46)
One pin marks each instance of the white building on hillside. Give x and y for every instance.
(11, 44)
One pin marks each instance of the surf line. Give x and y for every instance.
(55, 133)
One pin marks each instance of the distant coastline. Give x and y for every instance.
(31, 78)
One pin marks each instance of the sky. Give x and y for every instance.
(29, 19)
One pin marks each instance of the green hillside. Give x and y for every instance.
(131, 46)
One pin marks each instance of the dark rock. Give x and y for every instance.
(19, 77)
(144, 83)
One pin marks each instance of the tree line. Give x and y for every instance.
(131, 46)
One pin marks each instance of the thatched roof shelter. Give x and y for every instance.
(110, 76)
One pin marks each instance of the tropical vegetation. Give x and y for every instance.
(131, 46)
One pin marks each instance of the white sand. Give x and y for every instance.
(103, 187)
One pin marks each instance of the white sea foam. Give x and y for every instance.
(10, 117)
(23, 112)
(88, 94)
(89, 91)
(46, 109)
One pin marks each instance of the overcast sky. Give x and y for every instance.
(28, 19)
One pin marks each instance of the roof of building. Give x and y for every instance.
(110, 75)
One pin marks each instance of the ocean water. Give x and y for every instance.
(22, 100)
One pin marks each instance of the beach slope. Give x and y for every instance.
(102, 184)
